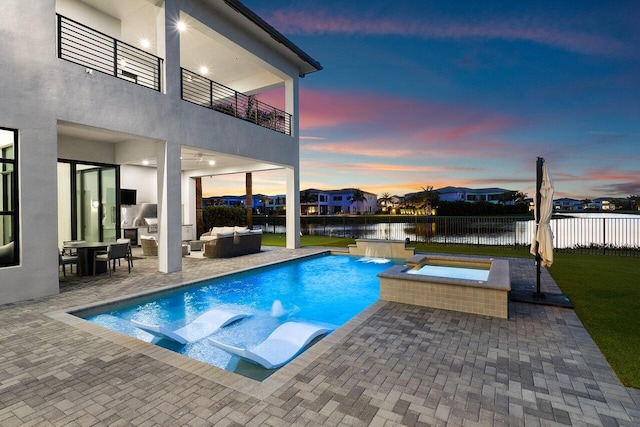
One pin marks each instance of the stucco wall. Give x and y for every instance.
(37, 90)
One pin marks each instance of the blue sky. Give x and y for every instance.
(466, 93)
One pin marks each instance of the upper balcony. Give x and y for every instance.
(219, 74)
(97, 51)
(128, 38)
(207, 93)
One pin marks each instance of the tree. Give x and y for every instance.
(384, 201)
(512, 197)
(635, 201)
(585, 202)
(357, 197)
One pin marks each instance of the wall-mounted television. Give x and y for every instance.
(127, 197)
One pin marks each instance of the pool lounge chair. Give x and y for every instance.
(284, 343)
(204, 325)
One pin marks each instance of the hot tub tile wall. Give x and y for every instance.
(489, 299)
(489, 302)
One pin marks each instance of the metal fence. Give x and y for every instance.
(88, 47)
(207, 93)
(616, 236)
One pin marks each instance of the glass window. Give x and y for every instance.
(8, 198)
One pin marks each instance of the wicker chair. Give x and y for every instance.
(149, 245)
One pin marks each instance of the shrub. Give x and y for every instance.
(217, 216)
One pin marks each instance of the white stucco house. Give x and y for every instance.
(455, 194)
(333, 202)
(98, 96)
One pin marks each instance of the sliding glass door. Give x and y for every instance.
(88, 203)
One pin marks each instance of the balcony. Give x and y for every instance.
(93, 49)
(207, 93)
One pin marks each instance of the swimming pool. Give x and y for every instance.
(326, 290)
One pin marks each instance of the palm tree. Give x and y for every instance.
(356, 197)
(425, 199)
(384, 201)
(512, 196)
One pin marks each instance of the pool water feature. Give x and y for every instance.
(327, 290)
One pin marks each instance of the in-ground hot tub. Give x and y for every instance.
(468, 284)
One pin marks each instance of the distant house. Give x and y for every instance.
(602, 204)
(332, 202)
(454, 194)
(388, 206)
(257, 201)
(568, 204)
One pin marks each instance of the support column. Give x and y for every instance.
(292, 106)
(293, 208)
(199, 219)
(169, 208)
(248, 184)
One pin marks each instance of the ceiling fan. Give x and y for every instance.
(199, 158)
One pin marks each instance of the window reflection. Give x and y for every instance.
(8, 198)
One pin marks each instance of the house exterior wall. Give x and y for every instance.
(38, 91)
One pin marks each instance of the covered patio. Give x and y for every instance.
(393, 364)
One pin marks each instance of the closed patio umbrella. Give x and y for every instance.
(542, 241)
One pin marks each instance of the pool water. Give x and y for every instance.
(453, 272)
(327, 290)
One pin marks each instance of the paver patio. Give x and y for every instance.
(393, 364)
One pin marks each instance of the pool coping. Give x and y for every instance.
(258, 389)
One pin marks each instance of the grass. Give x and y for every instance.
(604, 290)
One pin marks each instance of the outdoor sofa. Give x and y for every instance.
(228, 242)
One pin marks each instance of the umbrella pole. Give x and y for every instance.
(539, 163)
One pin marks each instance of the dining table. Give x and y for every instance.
(86, 252)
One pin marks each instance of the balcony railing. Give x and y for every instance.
(91, 48)
(207, 93)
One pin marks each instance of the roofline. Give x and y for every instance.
(275, 34)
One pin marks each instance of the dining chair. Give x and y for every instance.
(115, 251)
(129, 254)
(64, 260)
(70, 251)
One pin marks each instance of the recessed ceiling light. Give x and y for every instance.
(204, 70)
(145, 43)
(145, 162)
(181, 26)
(212, 162)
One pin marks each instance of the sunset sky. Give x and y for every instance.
(464, 93)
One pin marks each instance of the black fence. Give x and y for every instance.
(207, 93)
(615, 236)
(95, 50)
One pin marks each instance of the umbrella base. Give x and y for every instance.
(557, 300)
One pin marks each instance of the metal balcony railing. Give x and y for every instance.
(207, 93)
(610, 236)
(88, 47)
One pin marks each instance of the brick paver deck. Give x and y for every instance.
(393, 364)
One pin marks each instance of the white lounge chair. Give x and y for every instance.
(205, 324)
(284, 343)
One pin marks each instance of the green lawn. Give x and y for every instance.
(605, 291)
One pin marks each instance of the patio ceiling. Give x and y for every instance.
(141, 151)
(200, 46)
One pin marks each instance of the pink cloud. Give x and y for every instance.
(411, 124)
(503, 29)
